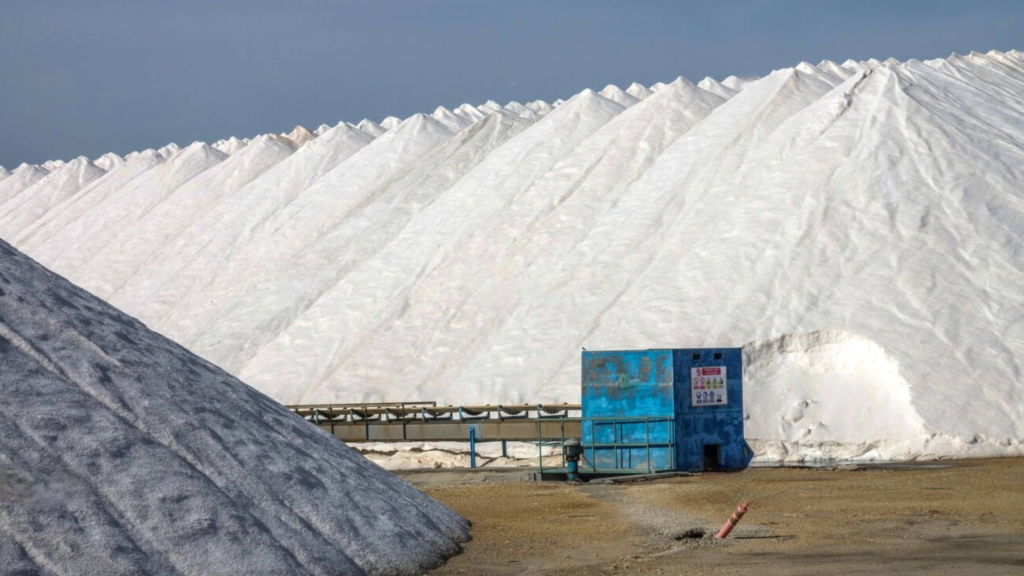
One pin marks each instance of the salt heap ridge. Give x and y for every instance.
(124, 453)
(467, 255)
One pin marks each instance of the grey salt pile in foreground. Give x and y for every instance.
(123, 453)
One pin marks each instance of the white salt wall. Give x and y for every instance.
(468, 255)
(123, 453)
(827, 387)
(33, 202)
(836, 395)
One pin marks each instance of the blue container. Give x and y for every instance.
(657, 410)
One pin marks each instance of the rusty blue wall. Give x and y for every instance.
(641, 383)
(697, 426)
(627, 384)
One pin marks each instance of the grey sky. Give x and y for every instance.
(85, 77)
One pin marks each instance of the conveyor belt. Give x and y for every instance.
(426, 421)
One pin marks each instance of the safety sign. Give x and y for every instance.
(708, 386)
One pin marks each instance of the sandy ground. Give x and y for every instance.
(961, 518)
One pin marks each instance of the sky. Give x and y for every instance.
(86, 77)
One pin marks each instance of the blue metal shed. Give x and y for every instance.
(657, 410)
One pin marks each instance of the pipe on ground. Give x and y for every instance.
(733, 521)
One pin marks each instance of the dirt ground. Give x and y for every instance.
(955, 518)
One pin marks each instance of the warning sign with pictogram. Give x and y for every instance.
(708, 386)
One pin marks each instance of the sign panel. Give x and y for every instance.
(708, 386)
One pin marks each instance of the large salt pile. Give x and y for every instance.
(868, 210)
(123, 453)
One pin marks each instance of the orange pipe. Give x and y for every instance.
(732, 522)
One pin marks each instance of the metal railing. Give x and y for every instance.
(428, 422)
(427, 411)
(620, 446)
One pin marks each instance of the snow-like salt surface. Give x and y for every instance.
(123, 453)
(300, 136)
(390, 122)
(491, 106)
(419, 455)
(522, 111)
(135, 166)
(137, 240)
(109, 161)
(23, 177)
(834, 69)
(187, 264)
(638, 91)
(95, 228)
(738, 83)
(230, 146)
(450, 120)
(169, 151)
(371, 128)
(33, 202)
(716, 87)
(540, 107)
(616, 94)
(859, 225)
(469, 112)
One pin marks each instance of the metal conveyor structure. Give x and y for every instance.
(426, 421)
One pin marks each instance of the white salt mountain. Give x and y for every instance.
(297, 236)
(66, 212)
(834, 69)
(540, 107)
(23, 177)
(715, 87)
(638, 91)
(517, 109)
(138, 239)
(491, 106)
(616, 94)
(449, 120)
(32, 203)
(229, 146)
(300, 136)
(824, 76)
(317, 277)
(469, 112)
(371, 128)
(109, 161)
(169, 151)
(185, 267)
(836, 216)
(738, 83)
(390, 122)
(95, 228)
(124, 453)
